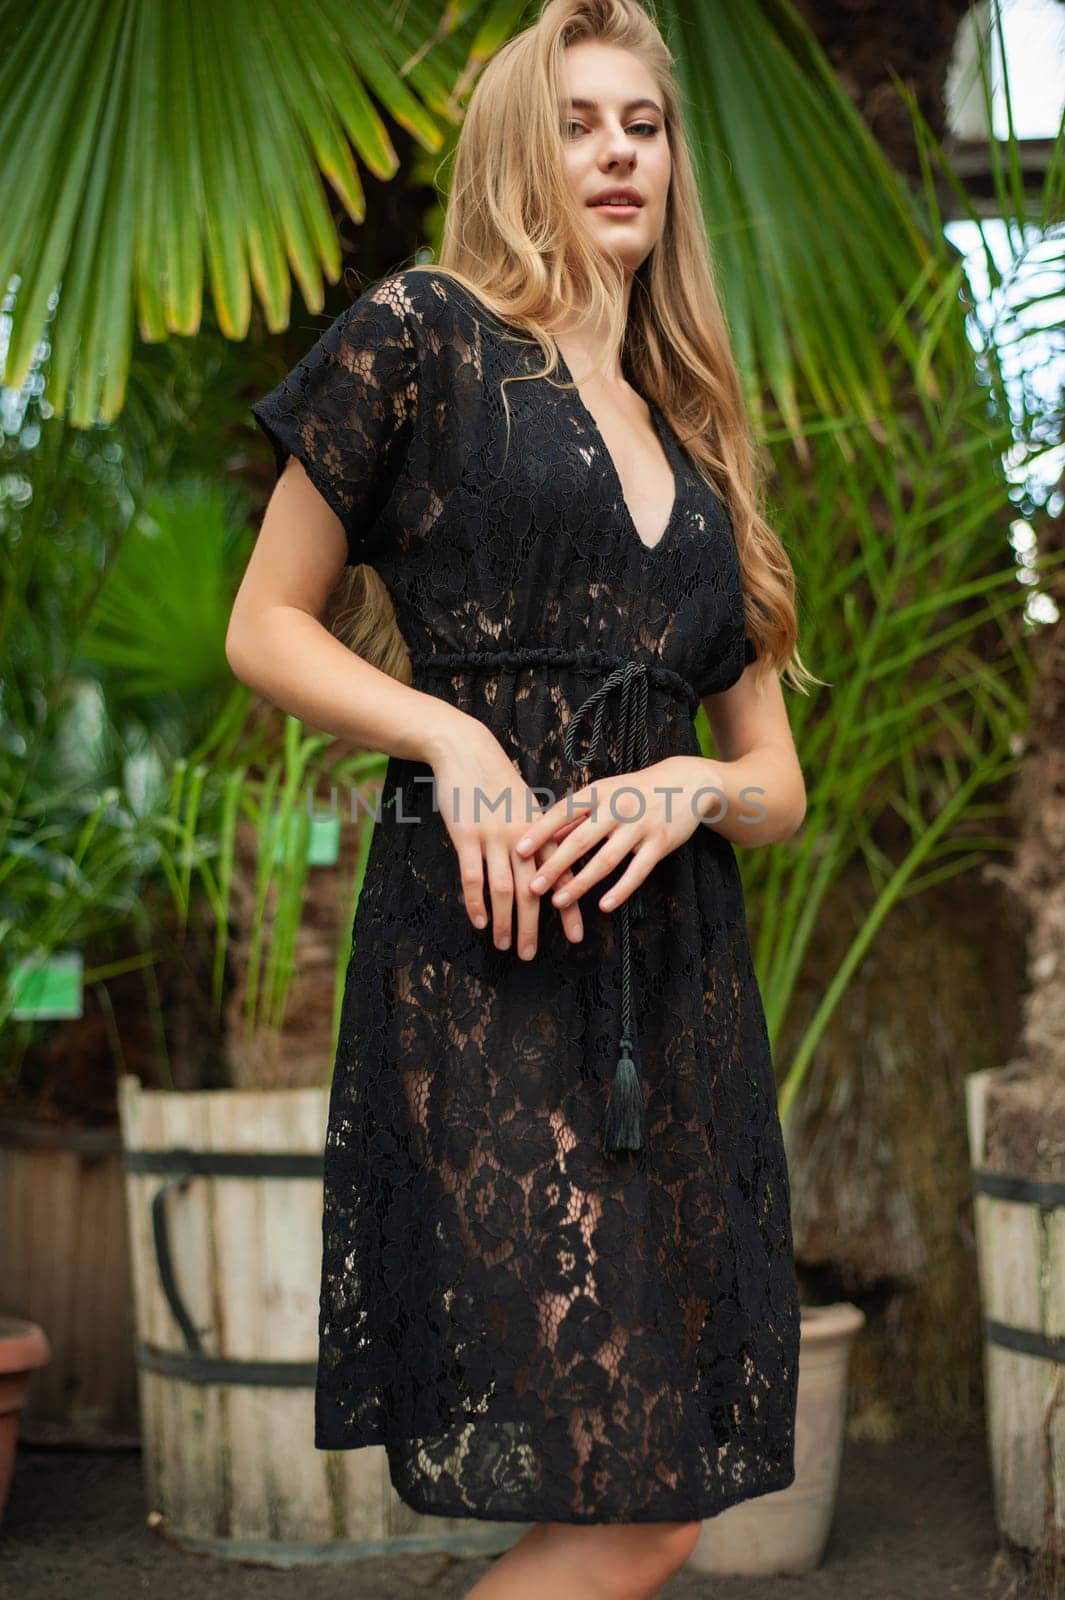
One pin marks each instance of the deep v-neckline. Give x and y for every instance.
(665, 434)
(668, 445)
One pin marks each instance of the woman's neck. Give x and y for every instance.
(582, 343)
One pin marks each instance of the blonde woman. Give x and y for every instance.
(557, 1278)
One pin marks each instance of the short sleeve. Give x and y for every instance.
(348, 409)
(735, 664)
(740, 654)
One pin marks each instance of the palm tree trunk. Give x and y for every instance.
(883, 1203)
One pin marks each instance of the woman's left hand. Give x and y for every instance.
(656, 812)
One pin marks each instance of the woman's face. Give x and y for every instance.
(614, 136)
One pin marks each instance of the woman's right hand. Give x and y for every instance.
(469, 764)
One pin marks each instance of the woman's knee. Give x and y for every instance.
(649, 1553)
(677, 1540)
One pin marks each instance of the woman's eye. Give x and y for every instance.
(651, 127)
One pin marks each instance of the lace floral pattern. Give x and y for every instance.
(538, 1328)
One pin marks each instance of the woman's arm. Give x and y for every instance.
(658, 808)
(757, 768)
(277, 644)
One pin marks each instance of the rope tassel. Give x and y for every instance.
(623, 1123)
(623, 1127)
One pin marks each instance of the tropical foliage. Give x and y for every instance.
(129, 756)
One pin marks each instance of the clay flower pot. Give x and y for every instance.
(786, 1530)
(23, 1348)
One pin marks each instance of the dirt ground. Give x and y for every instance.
(911, 1523)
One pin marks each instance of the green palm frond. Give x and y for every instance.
(158, 625)
(184, 147)
(173, 138)
(817, 241)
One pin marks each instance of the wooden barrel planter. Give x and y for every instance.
(224, 1193)
(64, 1263)
(1016, 1127)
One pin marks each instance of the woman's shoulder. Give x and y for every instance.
(424, 297)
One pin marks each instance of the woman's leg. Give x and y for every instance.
(590, 1561)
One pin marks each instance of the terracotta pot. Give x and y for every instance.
(786, 1531)
(23, 1348)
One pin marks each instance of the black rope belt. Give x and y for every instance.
(629, 681)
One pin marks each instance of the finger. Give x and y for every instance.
(564, 829)
(556, 822)
(528, 905)
(538, 830)
(585, 837)
(578, 830)
(471, 876)
(568, 829)
(589, 826)
(637, 872)
(625, 832)
(572, 921)
(570, 916)
(621, 842)
(501, 890)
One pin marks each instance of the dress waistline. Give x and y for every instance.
(592, 663)
(629, 680)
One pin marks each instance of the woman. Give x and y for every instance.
(557, 1277)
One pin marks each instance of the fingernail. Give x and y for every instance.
(524, 844)
(529, 952)
(607, 901)
(539, 882)
(562, 898)
(479, 922)
(504, 943)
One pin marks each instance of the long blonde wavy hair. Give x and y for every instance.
(513, 234)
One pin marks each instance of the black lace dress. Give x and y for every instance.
(538, 1323)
